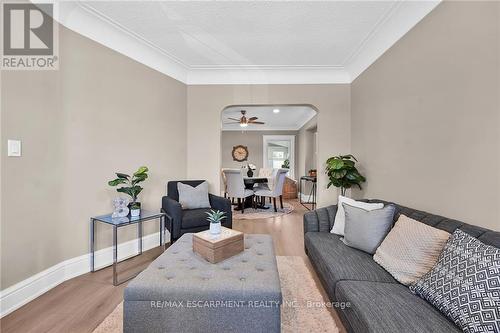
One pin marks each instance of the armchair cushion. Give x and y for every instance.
(192, 218)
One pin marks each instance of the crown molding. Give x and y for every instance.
(85, 20)
(401, 19)
(268, 75)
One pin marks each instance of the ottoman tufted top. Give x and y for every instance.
(181, 275)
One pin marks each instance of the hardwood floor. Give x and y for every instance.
(80, 304)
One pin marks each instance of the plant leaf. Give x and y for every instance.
(141, 170)
(139, 178)
(122, 175)
(117, 181)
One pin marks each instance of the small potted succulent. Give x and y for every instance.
(215, 217)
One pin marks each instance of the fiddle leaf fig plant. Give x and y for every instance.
(342, 172)
(131, 188)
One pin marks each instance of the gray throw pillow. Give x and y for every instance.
(365, 230)
(193, 197)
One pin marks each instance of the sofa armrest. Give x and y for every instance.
(174, 210)
(320, 220)
(224, 205)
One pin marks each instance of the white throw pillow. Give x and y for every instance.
(193, 197)
(338, 226)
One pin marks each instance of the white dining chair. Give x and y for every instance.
(224, 183)
(235, 186)
(265, 173)
(277, 189)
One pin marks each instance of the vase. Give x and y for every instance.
(135, 212)
(250, 172)
(215, 228)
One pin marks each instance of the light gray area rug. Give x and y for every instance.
(297, 315)
(254, 214)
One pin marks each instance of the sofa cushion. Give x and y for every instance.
(192, 218)
(388, 307)
(334, 261)
(487, 236)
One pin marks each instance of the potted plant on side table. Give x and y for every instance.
(131, 188)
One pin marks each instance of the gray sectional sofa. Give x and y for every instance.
(377, 302)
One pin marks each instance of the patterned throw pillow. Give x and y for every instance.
(465, 284)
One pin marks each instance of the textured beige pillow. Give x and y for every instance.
(410, 249)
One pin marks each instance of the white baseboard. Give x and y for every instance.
(27, 290)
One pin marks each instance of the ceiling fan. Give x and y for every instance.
(244, 121)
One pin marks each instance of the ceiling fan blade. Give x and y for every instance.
(257, 122)
(231, 122)
(238, 120)
(253, 118)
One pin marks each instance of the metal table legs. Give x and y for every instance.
(115, 263)
(312, 194)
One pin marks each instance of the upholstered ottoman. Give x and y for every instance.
(182, 292)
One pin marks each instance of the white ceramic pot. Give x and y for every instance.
(215, 228)
(135, 212)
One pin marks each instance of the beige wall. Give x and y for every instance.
(206, 102)
(254, 141)
(307, 152)
(425, 125)
(100, 112)
(426, 116)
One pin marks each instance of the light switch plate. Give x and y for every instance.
(14, 148)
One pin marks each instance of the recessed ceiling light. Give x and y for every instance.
(276, 110)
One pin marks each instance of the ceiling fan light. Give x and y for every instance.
(276, 110)
(243, 124)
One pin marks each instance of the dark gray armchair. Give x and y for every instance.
(181, 221)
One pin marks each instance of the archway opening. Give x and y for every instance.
(260, 140)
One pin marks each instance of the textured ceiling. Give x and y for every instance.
(208, 34)
(290, 117)
(240, 42)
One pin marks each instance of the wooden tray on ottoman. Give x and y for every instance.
(216, 248)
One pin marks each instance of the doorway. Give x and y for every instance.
(263, 139)
(279, 152)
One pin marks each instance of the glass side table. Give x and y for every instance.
(118, 222)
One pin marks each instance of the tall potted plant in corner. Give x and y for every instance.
(342, 172)
(131, 188)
